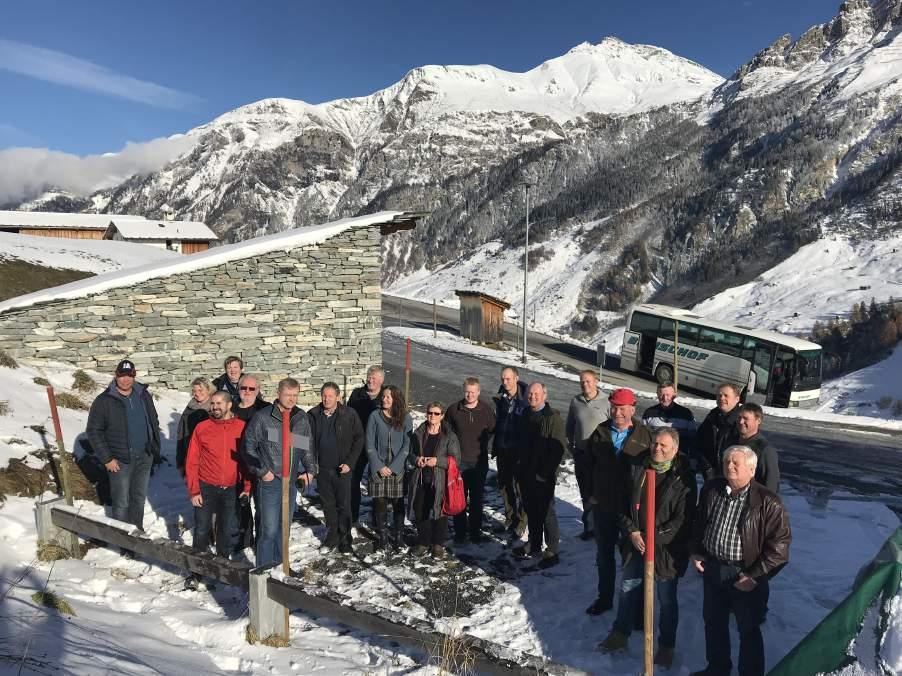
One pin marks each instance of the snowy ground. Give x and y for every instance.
(133, 617)
(87, 255)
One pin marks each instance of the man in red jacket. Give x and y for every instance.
(212, 470)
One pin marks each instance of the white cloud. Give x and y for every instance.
(59, 68)
(25, 173)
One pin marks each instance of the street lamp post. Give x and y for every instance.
(525, 273)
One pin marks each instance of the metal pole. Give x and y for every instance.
(61, 447)
(434, 319)
(676, 355)
(400, 311)
(525, 273)
(602, 348)
(407, 375)
(286, 516)
(649, 571)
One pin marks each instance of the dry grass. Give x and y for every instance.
(453, 655)
(82, 382)
(52, 551)
(273, 641)
(7, 362)
(37, 380)
(69, 400)
(51, 600)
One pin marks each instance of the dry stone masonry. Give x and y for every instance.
(312, 312)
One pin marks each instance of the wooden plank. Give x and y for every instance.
(490, 658)
(174, 553)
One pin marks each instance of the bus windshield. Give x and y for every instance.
(809, 370)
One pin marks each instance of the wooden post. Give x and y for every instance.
(60, 446)
(286, 514)
(434, 319)
(344, 392)
(649, 571)
(676, 355)
(407, 375)
(50, 533)
(268, 618)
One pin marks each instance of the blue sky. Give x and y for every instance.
(87, 77)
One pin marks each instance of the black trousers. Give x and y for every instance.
(218, 503)
(335, 492)
(506, 460)
(244, 521)
(380, 515)
(721, 598)
(474, 488)
(429, 531)
(538, 499)
(358, 470)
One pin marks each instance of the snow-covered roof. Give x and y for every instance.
(310, 235)
(154, 229)
(46, 219)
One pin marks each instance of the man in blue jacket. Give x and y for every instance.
(510, 406)
(124, 432)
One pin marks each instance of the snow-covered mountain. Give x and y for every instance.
(670, 179)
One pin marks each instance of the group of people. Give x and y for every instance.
(735, 531)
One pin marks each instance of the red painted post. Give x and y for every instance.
(649, 570)
(286, 515)
(60, 445)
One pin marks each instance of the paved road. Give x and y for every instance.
(814, 459)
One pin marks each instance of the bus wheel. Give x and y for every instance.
(664, 373)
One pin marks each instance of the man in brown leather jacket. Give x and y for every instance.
(740, 540)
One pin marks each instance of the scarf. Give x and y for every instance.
(659, 467)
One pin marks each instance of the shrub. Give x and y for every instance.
(884, 402)
(7, 362)
(41, 381)
(897, 408)
(4, 407)
(82, 382)
(51, 600)
(69, 400)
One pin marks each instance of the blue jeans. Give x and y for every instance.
(268, 498)
(607, 535)
(221, 502)
(128, 488)
(630, 602)
(720, 598)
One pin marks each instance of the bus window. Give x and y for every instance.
(688, 334)
(762, 363)
(666, 329)
(645, 324)
(809, 369)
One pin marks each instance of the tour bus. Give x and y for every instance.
(768, 367)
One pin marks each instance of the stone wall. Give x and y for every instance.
(311, 312)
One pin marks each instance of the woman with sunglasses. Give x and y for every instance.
(433, 442)
(388, 433)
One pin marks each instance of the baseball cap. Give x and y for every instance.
(125, 368)
(622, 396)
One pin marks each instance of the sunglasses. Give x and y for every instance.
(248, 389)
(431, 413)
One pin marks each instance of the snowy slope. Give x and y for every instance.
(97, 256)
(134, 618)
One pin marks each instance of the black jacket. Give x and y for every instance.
(474, 428)
(607, 467)
(712, 438)
(764, 528)
(223, 384)
(509, 413)
(191, 416)
(544, 442)
(675, 498)
(447, 446)
(107, 427)
(362, 404)
(768, 469)
(348, 433)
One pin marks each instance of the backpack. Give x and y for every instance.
(455, 500)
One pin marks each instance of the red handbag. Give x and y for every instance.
(454, 500)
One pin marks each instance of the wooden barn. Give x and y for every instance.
(185, 237)
(482, 317)
(64, 226)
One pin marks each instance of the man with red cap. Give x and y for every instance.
(613, 447)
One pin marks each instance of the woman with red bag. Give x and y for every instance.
(433, 444)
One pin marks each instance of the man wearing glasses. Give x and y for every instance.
(250, 400)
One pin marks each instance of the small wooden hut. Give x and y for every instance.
(482, 317)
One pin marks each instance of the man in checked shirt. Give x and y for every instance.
(740, 540)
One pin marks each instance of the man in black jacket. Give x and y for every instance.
(748, 434)
(544, 443)
(675, 497)
(615, 442)
(338, 439)
(364, 400)
(228, 381)
(124, 432)
(510, 407)
(716, 430)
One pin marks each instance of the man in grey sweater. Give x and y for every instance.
(587, 411)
